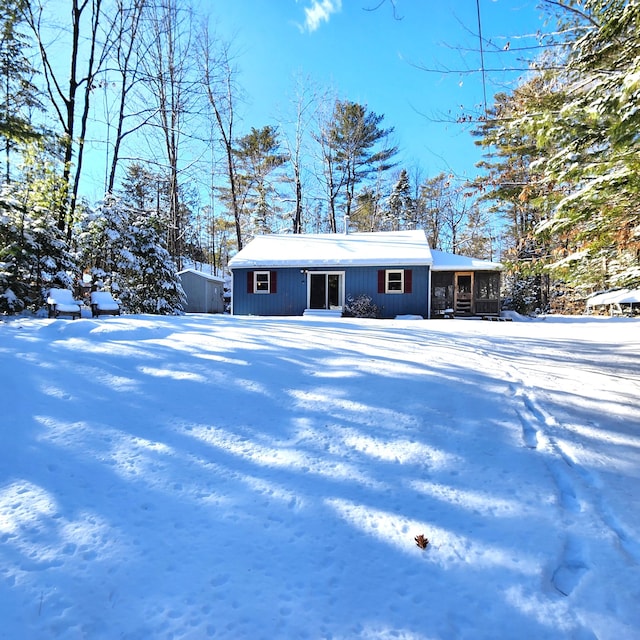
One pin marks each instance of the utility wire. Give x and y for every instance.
(482, 69)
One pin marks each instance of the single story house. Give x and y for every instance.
(289, 274)
(204, 291)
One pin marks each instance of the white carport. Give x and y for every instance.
(617, 302)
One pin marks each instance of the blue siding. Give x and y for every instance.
(290, 298)
(364, 280)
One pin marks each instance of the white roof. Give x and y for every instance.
(453, 262)
(630, 296)
(620, 296)
(384, 248)
(208, 276)
(376, 249)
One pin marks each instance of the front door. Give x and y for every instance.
(326, 290)
(464, 289)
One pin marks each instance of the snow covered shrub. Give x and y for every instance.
(361, 307)
(524, 294)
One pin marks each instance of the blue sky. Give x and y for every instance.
(370, 57)
(364, 54)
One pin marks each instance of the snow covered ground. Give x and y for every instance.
(226, 477)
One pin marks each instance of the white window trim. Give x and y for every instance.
(386, 281)
(341, 294)
(255, 282)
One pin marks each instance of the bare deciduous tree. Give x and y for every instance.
(128, 50)
(168, 67)
(305, 103)
(70, 95)
(218, 76)
(331, 177)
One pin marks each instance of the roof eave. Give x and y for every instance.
(302, 264)
(491, 267)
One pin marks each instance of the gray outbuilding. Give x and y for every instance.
(204, 291)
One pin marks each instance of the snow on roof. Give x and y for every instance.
(630, 297)
(208, 276)
(620, 296)
(452, 262)
(385, 248)
(379, 249)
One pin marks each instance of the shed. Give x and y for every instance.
(204, 291)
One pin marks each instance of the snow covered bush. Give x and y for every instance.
(361, 306)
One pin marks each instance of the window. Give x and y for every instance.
(488, 286)
(394, 281)
(262, 282)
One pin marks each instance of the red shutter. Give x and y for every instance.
(407, 280)
(274, 282)
(249, 281)
(381, 281)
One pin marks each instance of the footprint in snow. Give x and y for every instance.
(529, 432)
(573, 565)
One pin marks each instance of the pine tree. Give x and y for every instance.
(103, 247)
(514, 187)
(123, 244)
(257, 157)
(566, 161)
(14, 291)
(359, 148)
(18, 95)
(368, 214)
(401, 204)
(123, 248)
(34, 253)
(154, 286)
(432, 201)
(593, 149)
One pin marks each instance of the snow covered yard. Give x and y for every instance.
(226, 477)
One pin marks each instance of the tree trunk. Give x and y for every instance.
(218, 79)
(64, 102)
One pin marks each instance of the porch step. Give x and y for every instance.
(323, 313)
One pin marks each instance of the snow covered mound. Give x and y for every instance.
(217, 477)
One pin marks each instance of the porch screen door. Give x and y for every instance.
(464, 289)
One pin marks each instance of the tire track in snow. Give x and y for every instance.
(573, 562)
(578, 493)
(578, 489)
(626, 541)
(528, 421)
